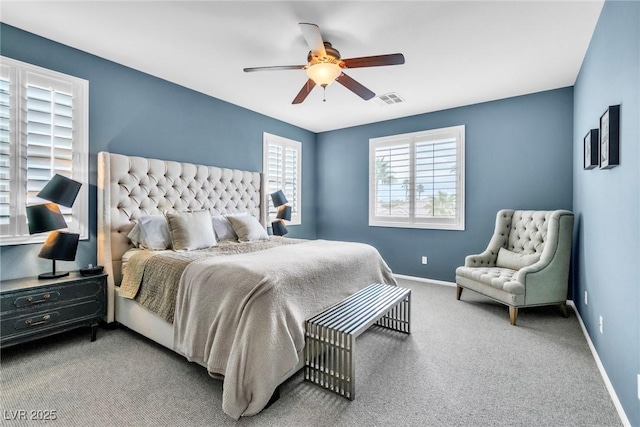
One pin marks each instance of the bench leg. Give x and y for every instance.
(399, 317)
(330, 360)
(459, 292)
(350, 376)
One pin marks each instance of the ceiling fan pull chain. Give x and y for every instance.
(324, 93)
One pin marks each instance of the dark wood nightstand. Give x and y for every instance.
(31, 308)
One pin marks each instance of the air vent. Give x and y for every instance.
(388, 99)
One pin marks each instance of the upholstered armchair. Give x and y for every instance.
(526, 263)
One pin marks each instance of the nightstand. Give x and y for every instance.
(31, 308)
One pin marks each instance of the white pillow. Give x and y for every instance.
(191, 230)
(151, 232)
(248, 228)
(514, 260)
(223, 228)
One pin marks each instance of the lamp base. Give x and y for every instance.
(53, 275)
(278, 228)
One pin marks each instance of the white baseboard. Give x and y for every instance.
(603, 372)
(594, 353)
(424, 280)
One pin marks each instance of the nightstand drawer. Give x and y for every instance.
(47, 318)
(39, 298)
(43, 297)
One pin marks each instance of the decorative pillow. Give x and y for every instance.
(223, 228)
(151, 232)
(514, 260)
(248, 228)
(191, 230)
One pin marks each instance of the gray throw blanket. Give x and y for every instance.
(152, 277)
(242, 316)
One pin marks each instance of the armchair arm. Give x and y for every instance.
(485, 259)
(498, 240)
(547, 279)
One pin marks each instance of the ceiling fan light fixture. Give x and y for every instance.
(324, 73)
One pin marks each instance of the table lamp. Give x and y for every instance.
(60, 245)
(284, 213)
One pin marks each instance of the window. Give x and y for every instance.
(43, 131)
(416, 180)
(282, 162)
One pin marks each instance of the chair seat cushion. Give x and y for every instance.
(496, 277)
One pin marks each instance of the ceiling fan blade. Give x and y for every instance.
(302, 95)
(355, 87)
(312, 36)
(375, 61)
(275, 68)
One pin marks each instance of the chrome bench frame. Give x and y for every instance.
(331, 335)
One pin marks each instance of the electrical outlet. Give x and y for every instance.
(586, 298)
(601, 325)
(424, 260)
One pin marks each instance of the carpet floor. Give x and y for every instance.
(463, 365)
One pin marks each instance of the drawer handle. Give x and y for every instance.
(45, 298)
(45, 319)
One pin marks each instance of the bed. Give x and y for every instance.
(236, 308)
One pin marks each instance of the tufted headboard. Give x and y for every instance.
(129, 187)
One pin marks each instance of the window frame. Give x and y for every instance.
(16, 232)
(285, 143)
(413, 138)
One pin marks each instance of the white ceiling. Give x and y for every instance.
(457, 53)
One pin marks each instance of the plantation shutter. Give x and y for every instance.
(392, 169)
(436, 178)
(43, 132)
(416, 180)
(274, 172)
(282, 159)
(291, 178)
(49, 138)
(5, 147)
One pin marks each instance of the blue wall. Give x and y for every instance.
(606, 202)
(518, 155)
(137, 114)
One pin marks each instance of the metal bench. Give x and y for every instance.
(330, 336)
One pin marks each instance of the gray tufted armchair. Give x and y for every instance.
(526, 263)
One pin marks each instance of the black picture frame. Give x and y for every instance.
(591, 143)
(610, 138)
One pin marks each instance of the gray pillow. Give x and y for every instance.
(191, 230)
(514, 260)
(222, 227)
(248, 228)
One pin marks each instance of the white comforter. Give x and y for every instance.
(243, 316)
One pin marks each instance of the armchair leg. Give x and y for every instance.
(458, 292)
(513, 315)
(563, 310)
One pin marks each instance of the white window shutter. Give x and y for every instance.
(43, 132)
(6, 126)
(416, 180)
(282, 170)
(49, 140)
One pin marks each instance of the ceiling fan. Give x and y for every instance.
(325, 66)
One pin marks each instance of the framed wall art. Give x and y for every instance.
(610, 138)
(591, 149)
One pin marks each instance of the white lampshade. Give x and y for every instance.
(324, 73)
